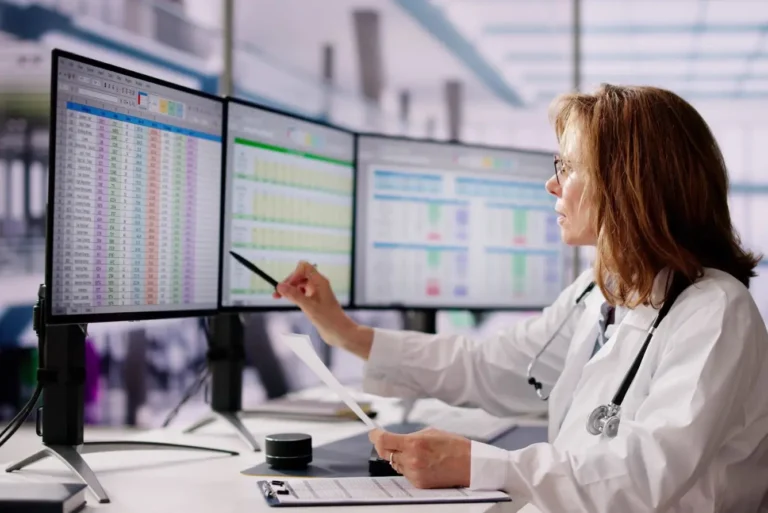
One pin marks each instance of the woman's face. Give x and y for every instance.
(572, 204)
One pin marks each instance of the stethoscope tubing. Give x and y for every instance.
(608, 415)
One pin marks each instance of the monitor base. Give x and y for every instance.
(60, 422)
(72, 457)
(234, 421)
(226, 359)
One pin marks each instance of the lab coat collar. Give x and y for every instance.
(642, 316)
(594, 300)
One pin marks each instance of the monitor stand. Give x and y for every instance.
(424, 321)
(62, 375)
(226, 360)
(478, 316)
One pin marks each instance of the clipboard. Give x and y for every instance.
(361, 491)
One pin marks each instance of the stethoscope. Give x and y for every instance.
(605, 418)
(533, 381)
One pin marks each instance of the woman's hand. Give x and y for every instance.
(428, 458)
(308, 289)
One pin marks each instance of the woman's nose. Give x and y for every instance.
(553, 187)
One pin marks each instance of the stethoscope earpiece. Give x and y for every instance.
(536, 384)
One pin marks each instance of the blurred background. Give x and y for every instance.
(481, 71)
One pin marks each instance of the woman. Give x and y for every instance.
(640, 177)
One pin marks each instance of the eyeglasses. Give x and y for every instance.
(560, 168)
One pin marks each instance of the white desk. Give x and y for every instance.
(191, 482)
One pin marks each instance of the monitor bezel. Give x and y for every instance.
(51, 318)
(228, 100)
(357, 305)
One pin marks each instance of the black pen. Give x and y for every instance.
(269, 279)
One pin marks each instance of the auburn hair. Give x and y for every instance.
(657, 186)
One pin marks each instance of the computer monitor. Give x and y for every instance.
(288, 197)
(454, 226)
(134, 196)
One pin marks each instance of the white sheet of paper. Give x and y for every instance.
(302, 346)
(375, 490)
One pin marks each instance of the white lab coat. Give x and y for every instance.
(694, 424)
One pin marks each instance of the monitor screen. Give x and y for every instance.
(134, 196)
(288, 197)
(452, 226)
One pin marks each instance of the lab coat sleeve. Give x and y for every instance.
(711, 360)
(490, 374)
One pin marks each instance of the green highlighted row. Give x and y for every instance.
(246, 245)
(346, 194)
(296, 223)
(264, 146)
(257, 291)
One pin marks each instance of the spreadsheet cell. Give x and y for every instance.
(135, 225)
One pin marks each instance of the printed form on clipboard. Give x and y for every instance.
(349, 491)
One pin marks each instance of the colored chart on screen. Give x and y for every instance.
(443, 235)
(285, 206)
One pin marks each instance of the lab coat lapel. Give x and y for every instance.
(640, 317)
(599, 377)
(629, 335)
(579, 352)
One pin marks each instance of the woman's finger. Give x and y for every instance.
(293, 278)
(293, 294)
(309, 289)
(386, 442)
(293, 275)
(304, 271)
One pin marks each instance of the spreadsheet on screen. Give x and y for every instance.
(454, 226)
(288, 197)
(136, 195)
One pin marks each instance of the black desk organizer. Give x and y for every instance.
(350, 457)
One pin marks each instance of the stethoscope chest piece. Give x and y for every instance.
(604, 420)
